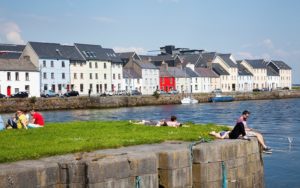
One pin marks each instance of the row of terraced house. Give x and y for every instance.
(37, 67)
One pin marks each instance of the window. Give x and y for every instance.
(45, 75)
(27, 76)
(16, 90)
(104, 65)
(96, 76)
(44, 63)
(81, 75)
(52, 75)
(27, 88)
(63, 76)
(45, 87)
(17, 76)
(52, 64)
(114, 76)
(96, 65)
(91, 87)
(81, 64)
(90, 64)
(75, 76)
(8, 76)
(91, 76)
(81, 87)
(119, 76)
(104, 76)
(59, 87)
(62, 64)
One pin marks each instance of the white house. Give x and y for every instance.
(273, 78)
(19, 75)
(284, 71)
(244, 79)
(52, 63)
(208, 78)
(149, 75)
(131, 80)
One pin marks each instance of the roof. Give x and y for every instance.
(163, 72)
(177, 72)
(130, 73)
(227, 60)
(191, 73)
(112, 56)
(16, 65)
(281, 65)
(12, 47)
(126, 55)
(206, 72)
(256, 63)
(219, 69)
(243, 71)
(271, 72)
(145, 64)
(193, 59)
(11, 51)
(72, 53)
(47, 50)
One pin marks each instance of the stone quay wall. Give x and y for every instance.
(84, 102)
(173, 164)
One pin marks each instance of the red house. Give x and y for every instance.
(166, 80)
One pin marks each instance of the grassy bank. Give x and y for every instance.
(62, 138)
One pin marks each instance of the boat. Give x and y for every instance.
(220, 98)
(189, 100)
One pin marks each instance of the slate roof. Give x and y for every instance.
(219, 69)
(256, 63)
(130, 73)
(243, 71)
(125, 55)
(190, 72)
(11, 51)
(163, 72)
(281, 65)
(12, 47)
(177, 72)
(145, 64)
(17, 65)
(271, 72)
(72, 53)
(112, 56)
(157, 60)
(206, 72)
(47, 50)
(193, 59)
(228, 61)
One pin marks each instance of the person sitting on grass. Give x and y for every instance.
(37, 120)
(171, 123)
(22, 120)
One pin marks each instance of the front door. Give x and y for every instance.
(8, 91)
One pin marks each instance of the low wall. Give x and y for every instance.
(41, 104)
(238, 163)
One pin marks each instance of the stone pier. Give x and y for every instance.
(173, 164)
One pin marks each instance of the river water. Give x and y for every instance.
(278, 120)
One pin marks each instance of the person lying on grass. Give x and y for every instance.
(170, 123)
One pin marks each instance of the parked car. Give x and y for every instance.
(256, 90)
(264, 89)
(173, 92)
(135, 92)
(217, 91)
(20, 94)
(2, 96)
(71, 94)
(49, 93)
(286, 88)
(161, 92)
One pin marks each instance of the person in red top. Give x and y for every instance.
(37, 120)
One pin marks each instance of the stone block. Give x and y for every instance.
(206, 152)
(175, 178)
(141, 163)
(207, 172)
(215, 184)
(107, 168)
(174, 159)
(73, 172)
(246, 182)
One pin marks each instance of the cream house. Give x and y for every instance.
(245, 79)
(258, 68)
(284, 71)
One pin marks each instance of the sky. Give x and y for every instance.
(248, 29)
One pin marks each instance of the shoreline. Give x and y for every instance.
(97, 102)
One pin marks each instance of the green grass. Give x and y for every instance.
(71, 137)
(296, 87)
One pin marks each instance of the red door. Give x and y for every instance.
(8, 91)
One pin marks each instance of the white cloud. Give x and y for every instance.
(10, 33)
(138, 50)
(268, 43)
(103, 19)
